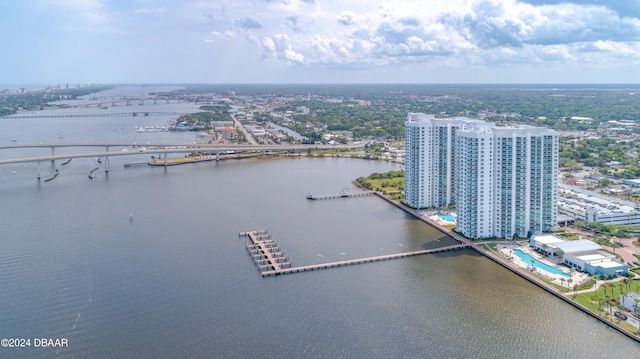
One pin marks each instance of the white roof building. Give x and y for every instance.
(590, 207)
(630, 301)
(583, 255)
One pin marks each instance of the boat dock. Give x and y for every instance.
(265, 251)
(271, 261)
(136, 164)
(342, 194)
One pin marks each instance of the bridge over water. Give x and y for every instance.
(163, 149)
(110, 114)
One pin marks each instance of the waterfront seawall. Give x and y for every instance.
(506, 264)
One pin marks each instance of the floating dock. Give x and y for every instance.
(136, 164)
(271, 261)
(265, 252)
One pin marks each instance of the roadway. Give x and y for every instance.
(244, 131)
(158, 149)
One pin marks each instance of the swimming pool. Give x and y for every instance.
(447, 217)
(537, 264)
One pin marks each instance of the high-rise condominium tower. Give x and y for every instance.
(429, 159)
(503, 180)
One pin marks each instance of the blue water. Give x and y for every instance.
(537, 264)
(447, 217)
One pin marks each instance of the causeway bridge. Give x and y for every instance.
(124, 99)
(109, 114)
(106, 150)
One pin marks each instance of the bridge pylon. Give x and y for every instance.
(106, 160)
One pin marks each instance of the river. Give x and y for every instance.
(177, 281)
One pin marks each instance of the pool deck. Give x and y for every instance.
(576, 277)
(441, 220)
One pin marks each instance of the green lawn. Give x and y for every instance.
(612, 290)
(390, 183)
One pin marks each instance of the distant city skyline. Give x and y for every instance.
(320, 41)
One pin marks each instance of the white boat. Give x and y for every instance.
(14, 140)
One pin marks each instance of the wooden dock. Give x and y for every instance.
(360, 260)
(271, 261)
(342, 194)
(265, 251)
(136, 164)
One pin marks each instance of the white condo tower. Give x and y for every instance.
(502, 180)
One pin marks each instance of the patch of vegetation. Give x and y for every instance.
(389, 183)
(36, 100)
(607, 230)
(204, 120)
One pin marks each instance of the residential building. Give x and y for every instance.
(502, 180)
(429, 160)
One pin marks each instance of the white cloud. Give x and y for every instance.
(321, 36)
(150, 11)
(248, 23)
(346, 18)
(293, 56)
(84, 15)
(431, 32)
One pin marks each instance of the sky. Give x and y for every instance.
(319, 41)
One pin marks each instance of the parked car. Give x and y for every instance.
(620, 315)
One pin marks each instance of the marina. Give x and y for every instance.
(265, 251)
(271, 261)
(136, 164)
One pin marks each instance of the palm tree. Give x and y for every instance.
(562, 283)
(599, 299)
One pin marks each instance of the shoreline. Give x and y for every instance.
(508, 265)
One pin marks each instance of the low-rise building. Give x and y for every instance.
(582, 255)
(228, 133)
(591, 207)
(630, 301)
(632, 182)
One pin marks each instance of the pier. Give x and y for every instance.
(271, 261)
(342, 194)
(265, 251)
(136, 164)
